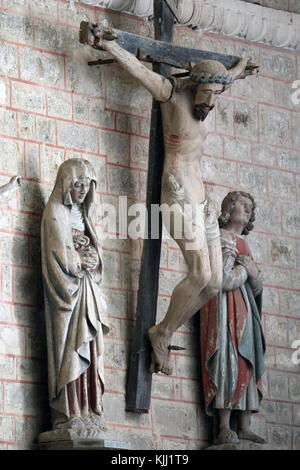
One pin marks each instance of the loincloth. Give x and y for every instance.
(200, 219)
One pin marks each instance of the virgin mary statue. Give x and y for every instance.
(74, 306)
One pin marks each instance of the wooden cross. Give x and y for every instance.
(164, 55)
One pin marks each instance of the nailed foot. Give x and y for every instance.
(251, 436)
(160, 355)
(226, 436)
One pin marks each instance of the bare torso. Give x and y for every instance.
(184, 138)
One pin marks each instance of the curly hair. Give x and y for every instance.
(228, 205)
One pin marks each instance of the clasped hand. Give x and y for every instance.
(88, 255)
(249, 265)
(89, 259)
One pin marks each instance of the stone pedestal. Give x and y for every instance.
(79, 439)
(244, 444)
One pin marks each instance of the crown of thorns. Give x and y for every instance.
(206, 77)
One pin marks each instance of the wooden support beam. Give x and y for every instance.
(139, 379)
(156, 50)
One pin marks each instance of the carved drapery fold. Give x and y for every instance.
(234, 18)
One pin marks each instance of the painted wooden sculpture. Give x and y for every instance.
(232, 341)
(74, 307)
(185, 104)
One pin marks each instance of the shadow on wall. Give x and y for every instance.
(31, 396)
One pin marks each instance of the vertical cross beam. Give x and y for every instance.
(139, 379)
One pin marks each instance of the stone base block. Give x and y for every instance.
(244, 444)
(83, 439)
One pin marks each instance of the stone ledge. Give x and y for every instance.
(243, 445)
(234, 18)
(79, 439)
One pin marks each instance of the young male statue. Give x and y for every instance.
(185, 103)
(232, 341)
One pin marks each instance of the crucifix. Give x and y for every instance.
(180, 107)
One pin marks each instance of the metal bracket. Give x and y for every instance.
(145, 58)
(102, 62)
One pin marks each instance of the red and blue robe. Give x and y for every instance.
(232, 341)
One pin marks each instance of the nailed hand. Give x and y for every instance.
(103, 32)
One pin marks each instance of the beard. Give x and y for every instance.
(201, 111)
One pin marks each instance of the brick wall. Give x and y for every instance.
(53, 107)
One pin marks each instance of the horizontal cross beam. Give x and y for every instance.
(150, 50)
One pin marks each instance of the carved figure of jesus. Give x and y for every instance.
(185, 104)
